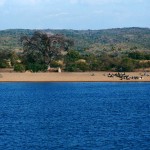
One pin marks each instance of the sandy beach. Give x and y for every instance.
(69, 77)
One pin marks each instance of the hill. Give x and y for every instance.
(93, 41)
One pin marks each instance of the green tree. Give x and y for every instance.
(126, 64)
(71, 67)
(35, 67)
(107, 62)
(19, 68)
(72, 56)
(43, 48)
(82, 66)
(136, 55)
(70, 60)
(4, 59)
(14, 58)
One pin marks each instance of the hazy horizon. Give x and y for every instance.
(73, 29)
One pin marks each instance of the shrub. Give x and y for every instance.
(4, 64)
(82, 66)
(36, 67)
(19, 68)
(78, 66)
(71, 67)
(56, 64)
(126, 64)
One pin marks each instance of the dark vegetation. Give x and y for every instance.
(123, 49)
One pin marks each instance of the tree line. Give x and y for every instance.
(121, 38)
(42, 50)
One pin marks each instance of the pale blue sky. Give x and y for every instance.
(74, 14)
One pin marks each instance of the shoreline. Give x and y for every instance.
(69, 77)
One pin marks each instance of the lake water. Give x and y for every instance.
(74, 116)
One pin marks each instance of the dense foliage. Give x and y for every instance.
(124, 49)
(89, 40)
(41, 49)
(4, 56)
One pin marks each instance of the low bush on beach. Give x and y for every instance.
(19, 68)
(36, 67)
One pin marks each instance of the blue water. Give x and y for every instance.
(74, 116)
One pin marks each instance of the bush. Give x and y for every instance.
(71, 67)
(4, 64)
(126, 64)
(55, 64)
(19, 68)
(36, 67)
(72, 56)
(82, 66)
(78, 66)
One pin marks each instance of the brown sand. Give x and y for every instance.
(68, 77)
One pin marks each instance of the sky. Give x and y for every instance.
(74, 14)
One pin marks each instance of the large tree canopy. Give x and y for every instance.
(43, 47)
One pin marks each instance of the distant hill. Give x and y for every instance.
(119, 39)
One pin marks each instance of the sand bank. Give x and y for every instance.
(68, 77)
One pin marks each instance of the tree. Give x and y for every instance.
(19, 68)
(136, 55)
(72, 56)
(14, 58)
(126, 64)
(35, 67)
(82, 66)
(4, 59)
(43, 48)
